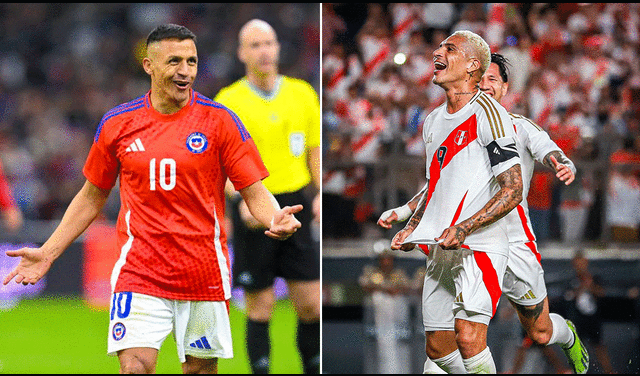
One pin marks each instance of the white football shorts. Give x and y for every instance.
(523, 281)
(201, 328)
(460, 284)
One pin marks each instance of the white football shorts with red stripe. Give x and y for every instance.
(463, 284)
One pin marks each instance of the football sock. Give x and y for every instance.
(561, 333)
(480, 363)
(451, 363)
(430, 367)
(258, 346)
(308, 339)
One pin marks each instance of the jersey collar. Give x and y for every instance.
(152, 110)
(264, 94)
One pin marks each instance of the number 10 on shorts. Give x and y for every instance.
(121, 305)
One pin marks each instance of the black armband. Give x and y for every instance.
(499, 154)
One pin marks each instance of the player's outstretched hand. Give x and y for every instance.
(33, 266)
(563, 172)
(284, 223)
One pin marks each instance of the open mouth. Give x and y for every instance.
(438, 65)
(181, 84)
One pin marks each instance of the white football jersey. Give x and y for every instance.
(465, 152)
(533, 145)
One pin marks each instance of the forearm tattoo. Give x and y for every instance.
(559, 156)
(413, 203)
(507, 198)
(418, 213)
(460, 235)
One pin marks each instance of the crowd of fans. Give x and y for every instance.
(64, 65)
(574, 70)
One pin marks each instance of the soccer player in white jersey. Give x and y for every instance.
(473, 180)
(523, 283)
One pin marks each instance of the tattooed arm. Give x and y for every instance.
(507, 198)
(396, 242)
(400, 214)
(564, 168)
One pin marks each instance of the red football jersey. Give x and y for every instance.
(172, 171)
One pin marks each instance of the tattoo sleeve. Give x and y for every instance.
(419, 211)
(507, 198)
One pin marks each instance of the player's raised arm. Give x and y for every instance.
(281, 223)
(82, 210)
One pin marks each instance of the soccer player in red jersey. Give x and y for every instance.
(172, 150)
(11, 215)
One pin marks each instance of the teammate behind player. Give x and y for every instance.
(523, 283)
(283, 116)
(473, 180)
(172, 150)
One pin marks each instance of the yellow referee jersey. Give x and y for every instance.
(284, 125)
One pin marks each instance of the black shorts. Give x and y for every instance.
(258, 259)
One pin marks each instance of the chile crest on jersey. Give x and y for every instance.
(197, 142)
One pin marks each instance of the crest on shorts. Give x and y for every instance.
(197, 142)
(118, 331)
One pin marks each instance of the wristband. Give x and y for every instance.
(403, 212)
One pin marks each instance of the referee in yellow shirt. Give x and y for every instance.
(282, 115)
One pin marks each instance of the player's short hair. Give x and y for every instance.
(502, 63)
(170, 31)
(479, 46)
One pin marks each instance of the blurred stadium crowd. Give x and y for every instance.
(64, 65)
(574, 70)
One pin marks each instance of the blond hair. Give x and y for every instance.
(479, 48)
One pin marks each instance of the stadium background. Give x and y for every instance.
(574, 70)
(62, 66)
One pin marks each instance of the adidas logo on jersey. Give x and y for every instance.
(202, 343)
(459, 298)
(528, 295)
(135, 146)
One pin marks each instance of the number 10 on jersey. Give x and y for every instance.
(166, 181)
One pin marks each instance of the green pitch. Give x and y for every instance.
(65, 336)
